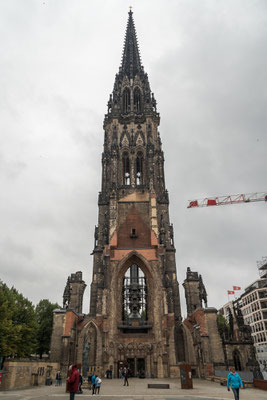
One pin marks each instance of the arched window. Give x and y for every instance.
(236, 358)
(125, 169)
(134, 295)
(126, 101)
(139, 169)
(137, 100)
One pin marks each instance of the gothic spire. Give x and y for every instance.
(131, 97)
(131, 60)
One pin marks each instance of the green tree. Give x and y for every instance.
(44, 315)
(8, 333)
(25, 319)
(223, 326)
(18, 324)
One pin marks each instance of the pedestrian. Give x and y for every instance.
(80, 383)
(90, 381)
(98, 382)
(93, 383)
(73, 382)
(121, 373)
(235, 382)
(58, 378)
(126, 376)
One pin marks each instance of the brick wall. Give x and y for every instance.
(134, 221)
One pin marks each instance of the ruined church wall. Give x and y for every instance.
(21, 374)
(59, 319)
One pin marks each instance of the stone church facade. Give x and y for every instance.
(135, 314)
(215, 347)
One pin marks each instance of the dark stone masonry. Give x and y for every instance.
(135, 314)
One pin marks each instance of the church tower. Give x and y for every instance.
(135, 315)
(134, 290)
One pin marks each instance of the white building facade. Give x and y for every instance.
(253, 305)
(254, 310)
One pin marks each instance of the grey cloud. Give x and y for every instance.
(206, 63)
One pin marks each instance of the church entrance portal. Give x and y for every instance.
(136, 367)
(141, 368)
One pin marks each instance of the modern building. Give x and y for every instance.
(253, 306)
(254, 310)
(216, 347)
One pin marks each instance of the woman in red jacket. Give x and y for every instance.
(73, 382)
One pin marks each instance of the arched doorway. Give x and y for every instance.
(236, 359)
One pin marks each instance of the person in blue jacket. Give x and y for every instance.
(93, 383)
(234, 381)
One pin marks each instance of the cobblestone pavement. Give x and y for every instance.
(137, 390)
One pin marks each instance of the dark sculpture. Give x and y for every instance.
(86, 351)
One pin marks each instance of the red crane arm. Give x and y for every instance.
(232, 199)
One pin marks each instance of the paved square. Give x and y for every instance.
(113, 389)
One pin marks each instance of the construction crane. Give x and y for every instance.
(224, 200)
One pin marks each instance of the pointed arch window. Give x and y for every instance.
(139, 169)
(126, 101)
(126, 169)
(237, 362)
(137, 100)
(134, 295)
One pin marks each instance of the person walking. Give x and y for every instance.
(98, 382)
(234, 381)
(90, 381)
(80, 390)
(93, 383)
(73, 382)
(58, 378)
(126, 376)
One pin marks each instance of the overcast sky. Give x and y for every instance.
(207, 65)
